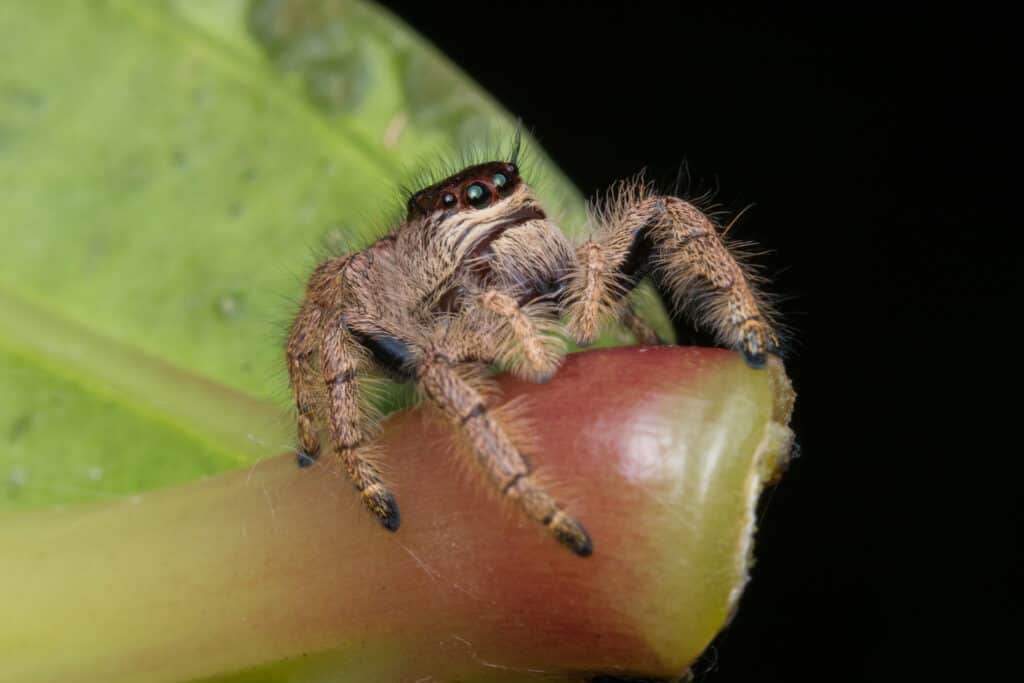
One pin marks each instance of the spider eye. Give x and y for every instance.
(500, 180)
(449, 200)
(478, 196)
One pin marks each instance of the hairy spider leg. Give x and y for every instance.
(303, 343)
(342, 361)
(697, 267)
(523, 340)
(642, 233)
(496, 455)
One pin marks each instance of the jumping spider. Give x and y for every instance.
(478, 274)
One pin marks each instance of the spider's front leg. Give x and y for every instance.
(643, 233)
(342, 362)
(495, 453)
(521, 334)
(342, 358)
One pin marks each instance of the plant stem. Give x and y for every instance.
(273, 572)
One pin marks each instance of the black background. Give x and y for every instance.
(868, 145)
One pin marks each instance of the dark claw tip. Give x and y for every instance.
(578, 542)
(392, 518)
(754, 360)
(304, 459)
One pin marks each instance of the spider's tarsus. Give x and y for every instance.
(755, 360)
(584, 547)
(572, 534)
(304, 459)
(390, 517)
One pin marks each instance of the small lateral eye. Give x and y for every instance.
(449, 200)
(500, 180)
(478, 196)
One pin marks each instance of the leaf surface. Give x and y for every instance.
(171, 171)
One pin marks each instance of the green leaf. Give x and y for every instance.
(171, 171)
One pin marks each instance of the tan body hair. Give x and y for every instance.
(476, 275)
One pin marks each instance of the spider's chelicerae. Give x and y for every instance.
(477, 274)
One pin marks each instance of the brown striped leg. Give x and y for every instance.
(640, 233)
(696, 265)
(495, 454)
(609, 266)
(350, 428)
(537, 355)
(302, 344)
(590, 298)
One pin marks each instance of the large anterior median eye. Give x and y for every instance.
(478, 196)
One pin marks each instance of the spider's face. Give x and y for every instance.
(464, 213)
(472, 189)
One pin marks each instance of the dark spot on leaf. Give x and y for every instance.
(20, 426)
(18, 96)
(315, 39)
(339, 85)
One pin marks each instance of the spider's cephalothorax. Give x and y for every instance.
(476, 275)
